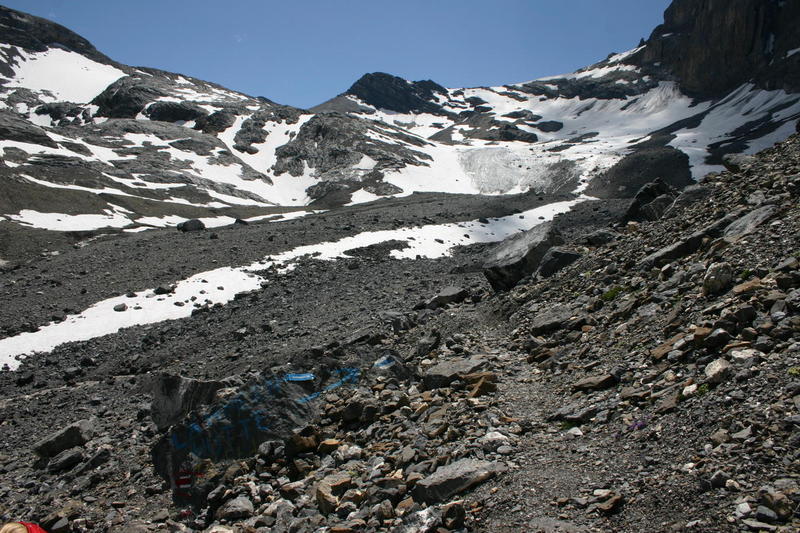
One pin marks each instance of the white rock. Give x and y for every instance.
(718, 371)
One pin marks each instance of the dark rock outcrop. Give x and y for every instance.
(713, 47)
(635, 170)
(126, 97)
(384, 91)
(175, 111)
(15, 128)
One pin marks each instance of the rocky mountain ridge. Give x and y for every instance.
(199, 150)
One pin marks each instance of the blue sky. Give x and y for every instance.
(302, 52)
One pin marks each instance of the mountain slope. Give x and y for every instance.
(122, 147)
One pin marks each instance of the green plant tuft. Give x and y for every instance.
(611, 294)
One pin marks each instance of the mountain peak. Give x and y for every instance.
(385, 91)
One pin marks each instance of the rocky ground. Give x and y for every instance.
(653, 384)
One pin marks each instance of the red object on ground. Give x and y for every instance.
(33, 528)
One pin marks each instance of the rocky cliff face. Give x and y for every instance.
(714, 46)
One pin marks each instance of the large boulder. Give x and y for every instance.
(448, 295)
(519, 256)
(192, 224)
(444, 373)
(651, 201)
(175, 396)
(555, 259)
(74, 435)
(447, 481)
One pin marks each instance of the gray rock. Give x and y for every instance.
(192, 224)
(719, 277)
(601, 237)
(15, 128)
(592, 383)
(718, 371)
(76, 434)
(65, 460)
(447, 296)
(719, 479)
(175, 396)
(555, 259)
(519, 256)
(688, 196)
(737, 162)
(765, 514)
(717, 338)
(689, 244)
(550, 320)
(444, 373)
(640, 168)
(175, 111)
(749, 222)
(650, 202)
(236, 508)
(447, 481)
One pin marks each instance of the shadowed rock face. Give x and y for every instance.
(635, 170)
(713, 47)
(385, 91)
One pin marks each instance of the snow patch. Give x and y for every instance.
(66, 76)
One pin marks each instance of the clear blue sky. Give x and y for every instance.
(302, 52)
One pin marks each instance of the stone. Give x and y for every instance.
(237, 508)
(747, 287)
(519, 256)
(120, 307)
(650, 201)
(326, 501)
(718, 371)
(757, 525)
(718, 278)
(449, 295)
(453, 515)
(555, 259)
(748, 223)
(719, 479)
(612, 504)
(74, 435)
(717, 338)
(601, 237)
(550, 320)
(593, 383)
(444, 373)
(447, 481)
(765, 514)
(175, 396)
(737, 162)
(192, 224)
(661, 351)
(689, 244)
(65, 460)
